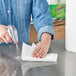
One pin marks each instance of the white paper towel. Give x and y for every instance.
(28, 50)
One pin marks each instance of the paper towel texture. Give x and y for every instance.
(28, 50)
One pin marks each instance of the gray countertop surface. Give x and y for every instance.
(66, 63)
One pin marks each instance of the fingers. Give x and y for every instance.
(1, 40)
(43, 55)
(4, 36)
(8, 38)
(4, 39)
(39, 53)
(6, 27)
(35, 52)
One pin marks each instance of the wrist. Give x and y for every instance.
(46, 37)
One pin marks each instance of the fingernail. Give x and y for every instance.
(11, 39)
(40, 57)
(15, 42)
(36, 56)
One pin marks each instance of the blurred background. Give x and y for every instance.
(57, 10)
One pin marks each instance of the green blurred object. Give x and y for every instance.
(57, 11)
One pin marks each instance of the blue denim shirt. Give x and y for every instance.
(18, 13)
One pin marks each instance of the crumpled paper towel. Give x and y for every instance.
(28, 50)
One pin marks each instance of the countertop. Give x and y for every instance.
(65, 66)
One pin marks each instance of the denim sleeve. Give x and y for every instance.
(42, 18)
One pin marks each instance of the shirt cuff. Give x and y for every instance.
(46, 29)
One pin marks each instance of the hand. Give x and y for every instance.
(43, 46)
(4, 36)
